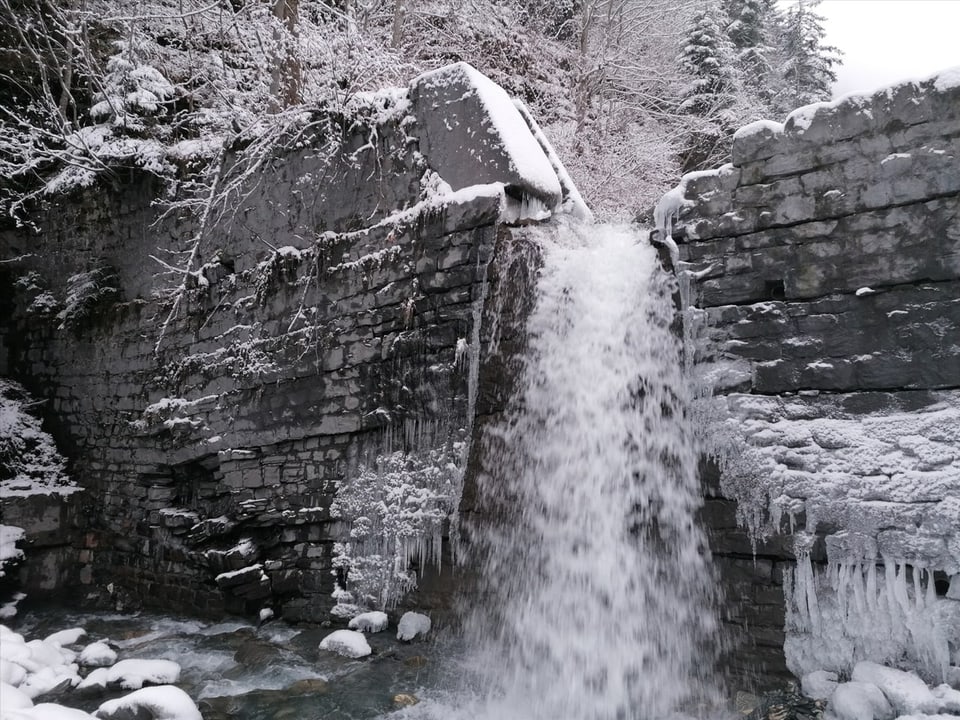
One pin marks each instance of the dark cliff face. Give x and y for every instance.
(233, 431)
(826, 269)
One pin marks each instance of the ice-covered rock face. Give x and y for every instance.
(823, 267)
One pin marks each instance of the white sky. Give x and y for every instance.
(885, 41)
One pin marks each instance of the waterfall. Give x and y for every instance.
(595, 592)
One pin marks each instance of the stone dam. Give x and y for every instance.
(349, 322)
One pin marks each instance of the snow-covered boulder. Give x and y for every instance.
(12, 698)
(66, 637)
(819, 684)
(948, 699)
(133, 674)
(348, 643)
(47, 711)
(411, 625)
(163, 702)
(906, 692)
(97, 654)
(50, 680)
(860, 701)
(370, 622)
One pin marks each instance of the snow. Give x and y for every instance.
(47, 711)
(234, 573)
(9, 552)
(29, 452)
(265, 614)
(905, 691)
(164, 702)
(860, 701)
(348, 643)
(819, 684)
(757, 127)
(97, 654)
(947, 79)
(369, 622)
(12, 698)
(865, 291)
(134, 673)
(573, 202)
(66, 637)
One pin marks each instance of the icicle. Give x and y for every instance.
(917, 590)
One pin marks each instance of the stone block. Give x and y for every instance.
(471, 133)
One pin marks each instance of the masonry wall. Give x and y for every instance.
(825, 267)
(329, 321)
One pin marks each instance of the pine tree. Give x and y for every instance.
(750, 29)
(806, 70)
(707, 59)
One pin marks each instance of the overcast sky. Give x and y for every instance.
(889, 40)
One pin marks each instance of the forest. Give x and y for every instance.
(630, 92)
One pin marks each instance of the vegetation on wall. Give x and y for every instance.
(629, 91)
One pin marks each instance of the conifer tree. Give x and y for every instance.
(751, 28)
(806, 69)
(706, 59)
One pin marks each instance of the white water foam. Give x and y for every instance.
(595, 597)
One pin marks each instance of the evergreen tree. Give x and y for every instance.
(707, 59)
(750, 30)
(806, 69)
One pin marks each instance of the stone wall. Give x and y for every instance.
(825, 270)
(226, 429)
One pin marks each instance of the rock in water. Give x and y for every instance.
(405, 700)
(371, 622)
(348, 643)
(411, 625)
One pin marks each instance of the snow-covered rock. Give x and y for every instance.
(948, 699)
(12, 698)
(819, 684)
(411, 625)
(49, 680)
(164, 702)
(47, 711)
(348, 643)
(97, 654)
(370, 622)
(66, 637)
(905, 691)
(133, 674)
(860, 701)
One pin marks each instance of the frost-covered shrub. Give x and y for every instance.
(395, 509)
(133, 90)
(29, 460)
(86, 292)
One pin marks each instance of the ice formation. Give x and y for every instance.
(598, 589)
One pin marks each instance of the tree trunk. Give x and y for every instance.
(285, 83)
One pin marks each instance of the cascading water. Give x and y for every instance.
(596, 587)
